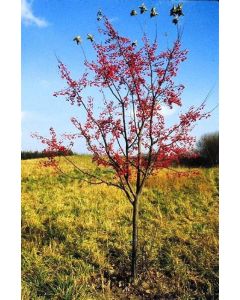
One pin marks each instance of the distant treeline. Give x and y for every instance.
(207, 150)
(39, 154)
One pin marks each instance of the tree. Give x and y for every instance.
(129, 135)
(208, 148)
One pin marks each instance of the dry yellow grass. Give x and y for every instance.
(76, 238)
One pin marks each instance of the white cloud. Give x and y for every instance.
(29, 115)
(23, 114)
(166, 111)
(29, 18)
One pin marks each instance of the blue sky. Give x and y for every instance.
(48, 27)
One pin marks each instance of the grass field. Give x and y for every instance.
(76, 238)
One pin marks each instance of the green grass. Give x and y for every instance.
(76, 238)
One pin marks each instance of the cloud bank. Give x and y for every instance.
(28, 18)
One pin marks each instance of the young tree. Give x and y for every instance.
(129, 135)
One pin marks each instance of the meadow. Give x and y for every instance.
(76, 237)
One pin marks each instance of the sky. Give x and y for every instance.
(48, 28)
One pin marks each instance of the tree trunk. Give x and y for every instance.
(134, 239)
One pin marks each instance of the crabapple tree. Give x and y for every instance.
(129, 135)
